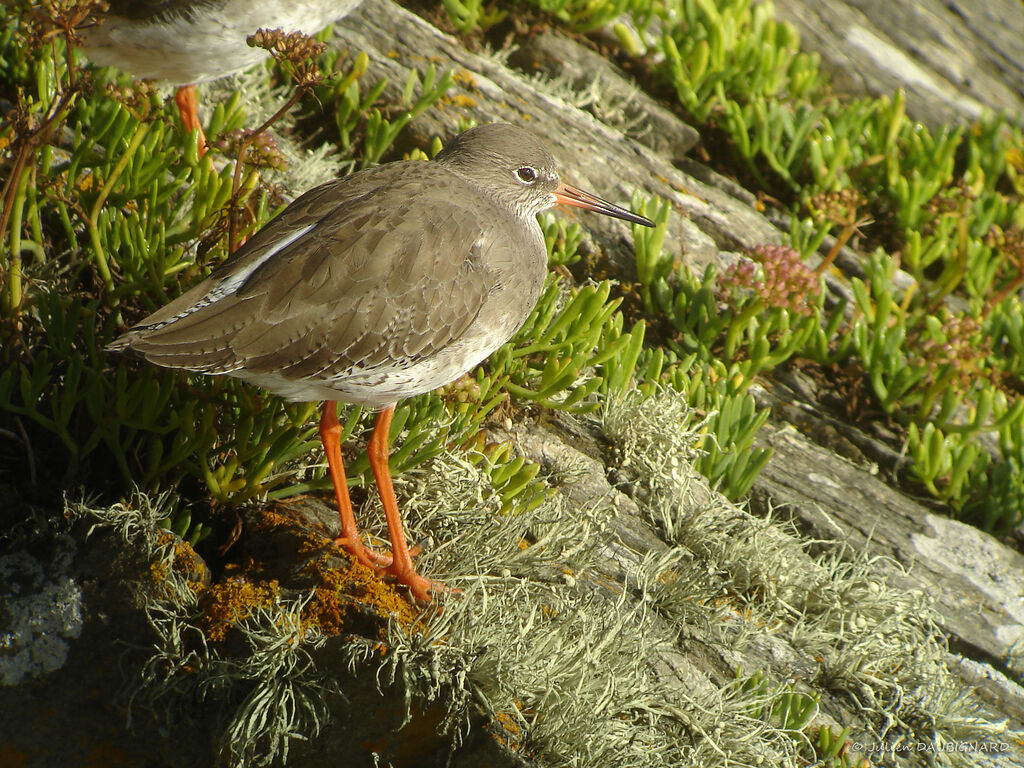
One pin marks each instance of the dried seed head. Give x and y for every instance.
(960, 347)
(261, 151)
(838, 207)
(63, 17)
(136, 97)
(295, 47)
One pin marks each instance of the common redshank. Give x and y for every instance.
(374, 288)
(192, 41)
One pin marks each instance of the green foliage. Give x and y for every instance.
(579, 15)
(119, 203)
(753, 319)
(725, 451)
(513, 479)
(588, 15)
(561, 239)
(468, 15)
(122, 204)
(720, 54)
(381, 132)
(938, 374)
(559, 347)
(183, 526)
(946, 376)
(832, 748)
(727, 339)
(354, 107)
(783, 707)
(950, 198)
(794, 712)
(995, 500)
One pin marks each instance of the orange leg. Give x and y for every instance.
(330, 435)
(401, 564)
(188, 108)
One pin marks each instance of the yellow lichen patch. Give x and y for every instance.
(158, 571)
(303, 538)
(463, 100)
(353, 587)
(310, 539)
(185, 561)
(668, 576)
(507, 723)
(506, 729)
(188, 562)
(465, 78)
(224, 605)
(268, 519)
(326, 611)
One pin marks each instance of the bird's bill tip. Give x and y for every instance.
(569, 195)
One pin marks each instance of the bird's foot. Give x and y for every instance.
(421, 587)
(371, 558)
(384, 565)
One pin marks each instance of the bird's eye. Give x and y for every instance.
(526, 174)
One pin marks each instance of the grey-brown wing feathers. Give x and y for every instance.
(347, 278)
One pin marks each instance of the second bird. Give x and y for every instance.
(384, 285)
(192, 41)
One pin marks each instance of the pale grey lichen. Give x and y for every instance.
(271, 693)
(879, 646)
(40, 611)
(567, 666)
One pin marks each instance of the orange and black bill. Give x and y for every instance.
(567, 195)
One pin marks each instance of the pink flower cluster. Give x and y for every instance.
(962, 348)
(782, 281)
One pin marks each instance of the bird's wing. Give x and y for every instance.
(350, 277)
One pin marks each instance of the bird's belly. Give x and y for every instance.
(396, 380)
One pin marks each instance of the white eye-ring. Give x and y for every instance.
(526, 174)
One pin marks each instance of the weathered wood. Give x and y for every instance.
(952, 59)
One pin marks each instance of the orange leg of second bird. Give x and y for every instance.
(188, 108)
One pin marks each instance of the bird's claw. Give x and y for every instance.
(421, 587)
(371, 558)
(384, 565)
